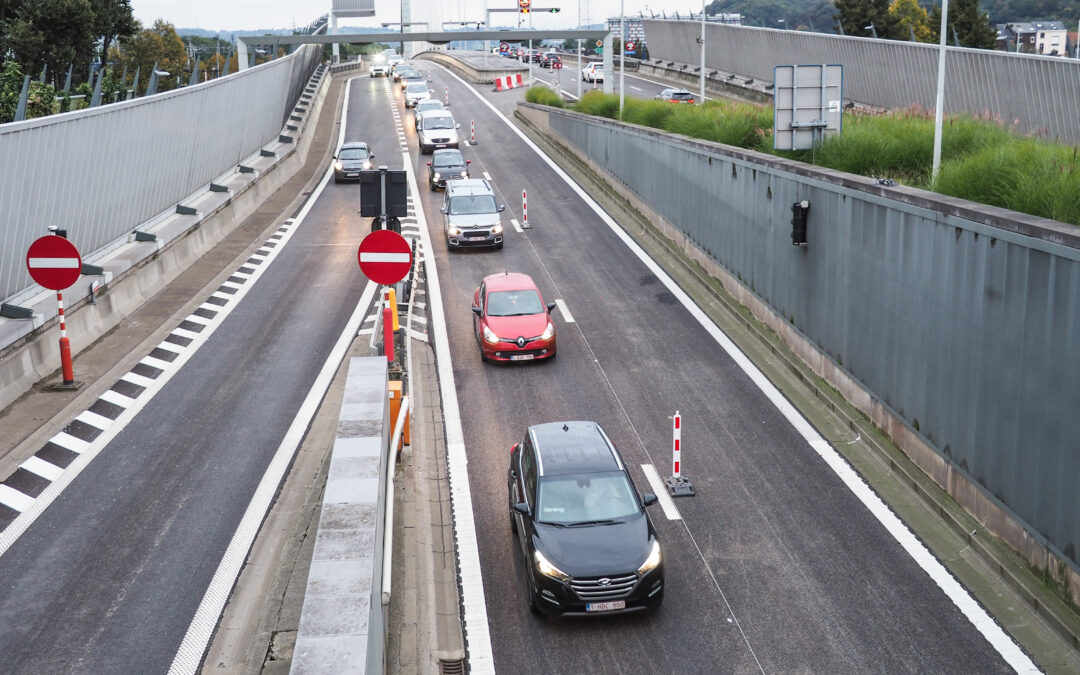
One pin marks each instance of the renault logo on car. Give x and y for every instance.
(521, 342)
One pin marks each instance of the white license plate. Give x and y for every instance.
(605, 606)
(477, 238)
(441, 145)
(528, 357)
(351, 175)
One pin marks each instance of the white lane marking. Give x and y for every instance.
(116, 398)
(417, 335)
(47, 470)
(474, 606)
(156, 363)
(171, 347)
(69, 442)
(210, 307)
(635, 88)
(190, 334)
(566, 93)
(14, 499)
(486, 176)
(219, 295)
(365, 331)
(189, 656)
(135, 378)
(564, 310)
(983, 622)
(662, 85)
(660, 490)
(95, 420)
(195, 318)
(231, 284)
(516, 224)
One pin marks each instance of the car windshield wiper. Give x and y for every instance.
(593, 522)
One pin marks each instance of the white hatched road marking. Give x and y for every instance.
(191, 335)
(14, 499)
(516, 224)
(195, 318)
(171, 347)
(94, 420)
(486, 176)
(979, 618)
(660, 490)
(156, 363)
(116, 398)
(69, 442)
(417, 335)
(564, 310)
(135, 378)
(42, 468)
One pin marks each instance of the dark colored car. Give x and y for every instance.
(673, 95)
(350, 160)
(511, 321)
(446, 164)
(588, 543)
(549, 60)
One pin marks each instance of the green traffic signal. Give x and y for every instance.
(554, 10)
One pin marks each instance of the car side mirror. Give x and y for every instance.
(551, 306)
(444, 210)
(457, 125)
(478, 312)
(522, 508)
(502, 207)
(648, 499)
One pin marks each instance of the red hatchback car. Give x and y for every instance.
(511, 320)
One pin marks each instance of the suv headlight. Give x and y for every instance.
(438, 176)
(337, 165)
(453, 231)
(497, 229)
(547, 569)
(490, 336)
(367, 163)
(652, 561)
(549, 332)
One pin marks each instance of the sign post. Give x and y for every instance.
(55, 263)
(678, 484)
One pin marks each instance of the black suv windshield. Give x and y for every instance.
(447, 159)
(514, 303)
(585, 499)
(464, 205)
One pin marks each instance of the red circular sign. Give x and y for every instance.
(630, 46)
(385, 257)
(504, 47)
(524, 4)
(54, 262)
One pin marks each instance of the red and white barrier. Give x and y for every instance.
(524, 210)
(676, 456)
(508, 82)
(472, 132)
(446, 97)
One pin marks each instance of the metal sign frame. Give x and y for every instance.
(808, 105)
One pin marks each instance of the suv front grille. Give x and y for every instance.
(591, 590)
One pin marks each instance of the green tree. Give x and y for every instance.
(53, 33)
(113, 20)
(11, 79)
(972, 26)
(909, 16)
(158, 44)
(855, 15)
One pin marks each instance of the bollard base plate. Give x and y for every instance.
(679, 486)
(74, 385)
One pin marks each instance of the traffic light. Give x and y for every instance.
(554, 10)
(524, 10)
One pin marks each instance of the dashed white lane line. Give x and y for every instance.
(486, 176)
(564, 310)
(660, 490)
(516, 224)
(46, 470)
(635, 88)
(14, 499)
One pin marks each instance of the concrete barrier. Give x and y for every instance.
(474, 73)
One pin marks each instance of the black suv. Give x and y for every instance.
(588, 543)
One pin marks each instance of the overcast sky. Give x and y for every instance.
(260, 14)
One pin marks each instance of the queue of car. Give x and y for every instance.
(580, 523)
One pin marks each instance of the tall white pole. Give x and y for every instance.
(579, 65)
(702, 77)
(939, 104)
(622, 54)
(1078, 39)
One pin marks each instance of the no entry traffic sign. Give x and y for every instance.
(54, 262)
(629, 46)
(385, 257)
(504, 47)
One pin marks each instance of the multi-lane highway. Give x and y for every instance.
(778, 563)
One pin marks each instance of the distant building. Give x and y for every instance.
(1048, 38)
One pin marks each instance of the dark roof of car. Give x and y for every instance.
(567, 448)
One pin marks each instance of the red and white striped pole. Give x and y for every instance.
(472, 132)
(446, 95)
(524, 210)
(676, 430)
(65, 345)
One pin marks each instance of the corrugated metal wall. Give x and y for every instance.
(968, 332)
(1037, 93)
(100, 172)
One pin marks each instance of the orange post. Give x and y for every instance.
(394, 394)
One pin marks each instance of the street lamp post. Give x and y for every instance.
(872, 29)
(579, 50)
(701, 75)
(939, 104)
(622, 54)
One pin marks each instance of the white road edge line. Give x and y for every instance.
(564, 310)
(474, 606)
(1009, 650)
(189, 656)
(660, 490)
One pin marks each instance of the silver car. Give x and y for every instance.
(416, 92)
(437, 130)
